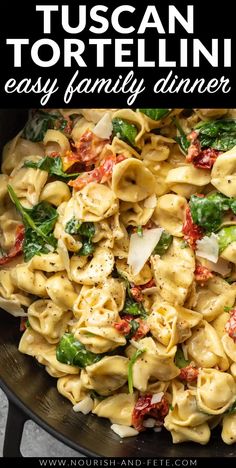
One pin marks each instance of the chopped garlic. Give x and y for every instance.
(124, 431)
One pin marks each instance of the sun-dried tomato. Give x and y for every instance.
(202, 274)
(206, 158)
(230, 326)
(188, 374)
(18, 246)
(145, 409)
(191, 231)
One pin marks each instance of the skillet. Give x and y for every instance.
(32, 393)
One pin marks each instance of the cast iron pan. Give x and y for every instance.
(33, 395)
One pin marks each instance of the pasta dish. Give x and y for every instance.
(118, 254)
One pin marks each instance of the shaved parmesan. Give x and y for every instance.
(84, 406)
(13, 307)
(124, 431)
(103, 129)
(222, 266)
(208, 248)
(140, 248)
(156, 398)
(150, 202)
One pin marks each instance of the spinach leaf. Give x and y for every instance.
(86, 232)
(132, 361)
(70, 351)
(39, 223)
(206, 212)
(180, 360)
(181, 139)
(125, 130)
(53, 166)
(155, 114)
(163, 244)
(226, 236)
(140, 231)
(132, 307)
(40, 121)
(217, 134)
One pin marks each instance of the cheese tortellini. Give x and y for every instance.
(118, 254)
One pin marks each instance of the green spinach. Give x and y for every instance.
(163, 244)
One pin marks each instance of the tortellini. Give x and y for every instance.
(95, 270)
(118, 408)
(61, 290)
(70, 386)
(94, 203)
(48, 319)
(18, 149)
(136, 214)
(107, 375)
(33, 282)
(55, 141)
(171, 325)
(28, 184)
(212, 298)
(229, 429)
(55, 193)
(155, 362)
(156, 147)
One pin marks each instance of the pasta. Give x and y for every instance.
(117, 254)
